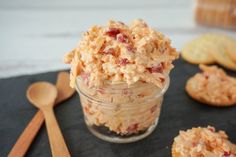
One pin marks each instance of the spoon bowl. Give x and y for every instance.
(42, 94)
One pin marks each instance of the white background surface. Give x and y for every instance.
(35, 35)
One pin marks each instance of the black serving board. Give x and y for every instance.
(179, 111)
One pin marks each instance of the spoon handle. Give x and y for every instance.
(28, 135)
(57, 143)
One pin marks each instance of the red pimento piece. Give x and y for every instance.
(156, 69)
(162, 80)
(141, 95)
(100, 90)
(206, 75)
(125, 91)
(130, 48)
(109, 51)
(194, 144)
(211, 129)
(133, 128)
(112, 32)
(86, 109)
(124, 61)
(226, 154)
(84, 76)
(153, 108)
(122, 38)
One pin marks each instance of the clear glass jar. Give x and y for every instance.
(121, 114)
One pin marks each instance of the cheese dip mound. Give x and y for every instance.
(203, 142)
(122, 53)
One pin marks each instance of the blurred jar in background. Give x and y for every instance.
(220, 13)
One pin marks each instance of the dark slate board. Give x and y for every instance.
(178, 112)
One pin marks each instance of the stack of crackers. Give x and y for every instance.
(221, 13)
(211, 48)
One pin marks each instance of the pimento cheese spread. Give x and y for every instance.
(203, 142)
(122, 53)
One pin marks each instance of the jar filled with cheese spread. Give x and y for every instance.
(121, 73)
(120, 113)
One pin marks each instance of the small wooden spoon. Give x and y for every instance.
(43, 95)
(64, 92)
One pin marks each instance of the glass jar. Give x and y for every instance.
(120, 113)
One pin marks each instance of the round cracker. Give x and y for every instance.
(196, 53)
(221, 56)
(226, 42)
(217, 50)
(191, 88)
(231, 49)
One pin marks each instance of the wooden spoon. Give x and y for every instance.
(43, 95)
(26, 138)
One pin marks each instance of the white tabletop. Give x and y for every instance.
(35, 35)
